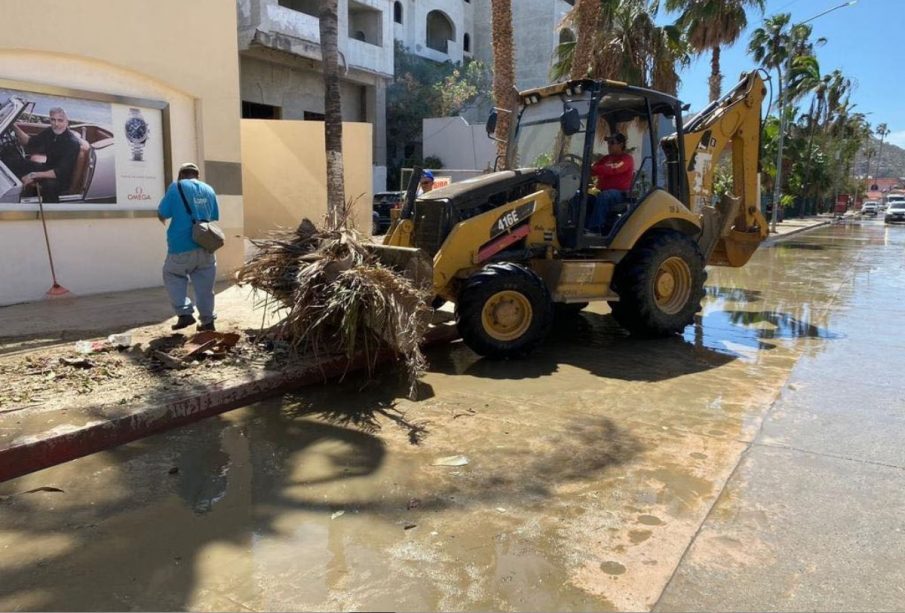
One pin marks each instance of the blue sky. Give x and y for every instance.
(865, 41)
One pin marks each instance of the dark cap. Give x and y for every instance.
(618, 137)
(189, 166)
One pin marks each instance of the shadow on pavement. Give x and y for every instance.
(140, 526)
(595, 343)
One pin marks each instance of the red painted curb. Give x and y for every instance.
(29, 454)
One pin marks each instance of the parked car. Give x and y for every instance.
(384, 202)
(93, 178)
(895, 211)
(870, 208)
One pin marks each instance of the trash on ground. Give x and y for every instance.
(409, 526)
(77, 362)
(337, 514)
(86, 347)
(168, 361)
(453, 460)
(120, 340)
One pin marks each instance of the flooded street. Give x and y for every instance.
(754, 463)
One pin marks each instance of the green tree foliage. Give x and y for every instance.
(628, 45)
(423, 88)
(711, 25)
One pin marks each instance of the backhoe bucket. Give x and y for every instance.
(412, 263)
(720, 242)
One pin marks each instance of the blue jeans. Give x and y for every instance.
(200, 266)
(601, 206)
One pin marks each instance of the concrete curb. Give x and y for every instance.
(778, 237)
(32, 453)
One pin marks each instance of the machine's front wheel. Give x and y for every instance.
(660, 285)
(504, 311)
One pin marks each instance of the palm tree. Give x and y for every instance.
(776, 45)
(503, 70)
(333, 121)
(627, 46)
(587, 15)
(710, 25)
(882, 131)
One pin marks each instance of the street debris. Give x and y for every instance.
(337, 514)
(337, 297)
(110, 373)
(120, 340)
(77, 363)
(87, 347)
(453, 460)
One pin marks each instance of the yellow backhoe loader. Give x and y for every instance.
(510, 248)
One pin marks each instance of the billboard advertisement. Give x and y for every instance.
(78, 153)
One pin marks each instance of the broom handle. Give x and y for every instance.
(53, 273)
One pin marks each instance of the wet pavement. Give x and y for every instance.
(754, 463)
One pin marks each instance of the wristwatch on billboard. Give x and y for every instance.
(136, 133)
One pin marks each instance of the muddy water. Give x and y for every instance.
(589, 468)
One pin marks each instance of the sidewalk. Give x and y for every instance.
(789, 227)
(35, 433)
(73, 405)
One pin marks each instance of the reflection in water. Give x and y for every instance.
(729, 330)
(733, 294)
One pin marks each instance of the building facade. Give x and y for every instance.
(280, 57)
(158, 88)
(280, 64)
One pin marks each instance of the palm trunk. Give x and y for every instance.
(588, 16)
(333, 121)
(879, 157)
(503, 72)
(716, 79)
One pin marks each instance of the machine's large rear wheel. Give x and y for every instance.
(504, 311)
(660, 285)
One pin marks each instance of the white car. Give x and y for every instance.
(895, 211)
(870, 208)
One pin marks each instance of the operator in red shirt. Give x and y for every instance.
(614, 173)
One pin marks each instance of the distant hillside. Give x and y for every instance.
(892, 163)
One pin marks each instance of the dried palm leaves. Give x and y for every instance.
(338, 297)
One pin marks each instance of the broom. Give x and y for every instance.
(56, 290)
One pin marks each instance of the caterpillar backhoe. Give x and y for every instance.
(510, 248)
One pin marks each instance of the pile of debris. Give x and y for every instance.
(180, 351)
(338, 297)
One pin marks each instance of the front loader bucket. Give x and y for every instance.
(412, 263)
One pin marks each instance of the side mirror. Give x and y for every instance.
(570, 121)
(491, 123)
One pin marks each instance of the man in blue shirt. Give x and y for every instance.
(187, 260)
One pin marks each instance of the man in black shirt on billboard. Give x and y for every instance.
(59, 146)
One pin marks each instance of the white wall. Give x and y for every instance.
(457, 143)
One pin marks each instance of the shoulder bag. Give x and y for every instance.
(204, 232)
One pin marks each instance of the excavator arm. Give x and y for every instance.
(733, 229)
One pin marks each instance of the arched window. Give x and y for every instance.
(397, 12)
(440, 31)
(466, 43)
(566, 36)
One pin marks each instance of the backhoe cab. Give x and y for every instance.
(511, 250)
